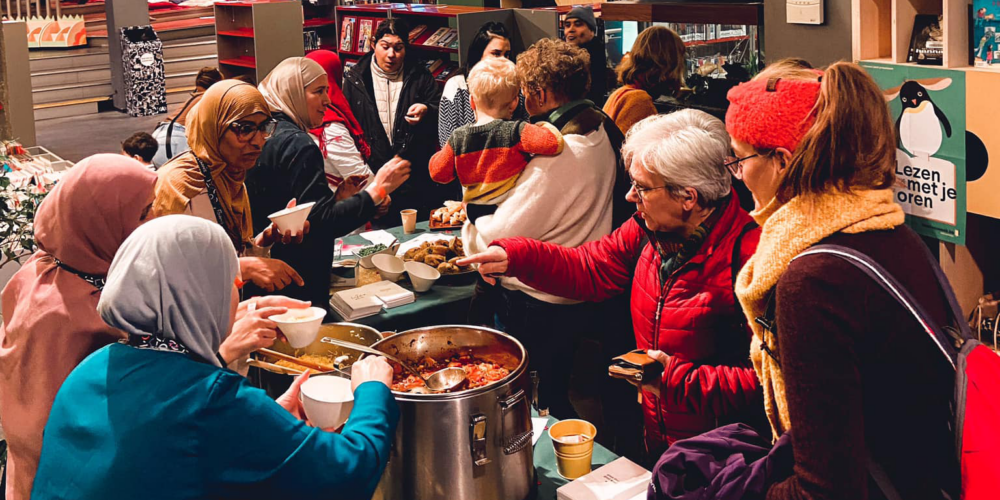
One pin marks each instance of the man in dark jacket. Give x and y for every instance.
(580, 29)
(396, 101)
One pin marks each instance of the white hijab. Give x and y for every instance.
(173, 279)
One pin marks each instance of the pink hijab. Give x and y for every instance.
(50, 316)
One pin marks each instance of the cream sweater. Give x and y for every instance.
(563, 199)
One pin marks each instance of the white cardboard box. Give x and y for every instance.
(622, 479)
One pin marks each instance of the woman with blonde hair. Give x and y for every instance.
(844, 367)
(654, 67)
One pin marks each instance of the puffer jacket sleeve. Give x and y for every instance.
(716, 389)
(592, 272)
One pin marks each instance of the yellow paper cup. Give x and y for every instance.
(573, 443)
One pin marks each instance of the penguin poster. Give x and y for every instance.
(928, 108)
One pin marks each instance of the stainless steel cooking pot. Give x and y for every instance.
(275, 384)
(473, 444)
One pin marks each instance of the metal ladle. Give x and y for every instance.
(439, 381)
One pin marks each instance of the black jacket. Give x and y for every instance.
(598, 93)
(420, 142)
(291, 166)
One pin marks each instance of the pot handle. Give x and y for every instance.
(511, 440)
(477, 438)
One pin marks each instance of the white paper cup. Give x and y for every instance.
(300, 326)
(327, 400)
(409, 217)
(389, 267)
(292, 219)
(422, 276)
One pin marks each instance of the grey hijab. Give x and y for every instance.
(172, 279)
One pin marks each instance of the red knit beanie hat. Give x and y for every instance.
(772, 113)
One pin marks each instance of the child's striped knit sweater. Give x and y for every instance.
(489, 158)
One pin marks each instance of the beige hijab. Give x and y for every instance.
(181, 179)
(284, 88)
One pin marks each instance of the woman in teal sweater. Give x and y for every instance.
(161, 418)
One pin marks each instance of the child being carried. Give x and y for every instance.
(489, 155)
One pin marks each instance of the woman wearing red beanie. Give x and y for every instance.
(843, 365)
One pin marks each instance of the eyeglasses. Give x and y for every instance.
(247, 130)
(639, 189)
(735, 165)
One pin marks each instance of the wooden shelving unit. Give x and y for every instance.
(253, 37)
(881, 35)
(525, 26)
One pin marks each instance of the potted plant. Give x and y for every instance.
(17, 214)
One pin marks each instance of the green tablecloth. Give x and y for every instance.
(446, 303)
(546, 472)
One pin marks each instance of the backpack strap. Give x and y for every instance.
(895, 289)
(170, 127)
(889, 283)
(735, 263)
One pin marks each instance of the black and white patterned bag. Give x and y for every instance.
(145, 76)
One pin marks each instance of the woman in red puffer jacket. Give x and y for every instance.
(679, 254)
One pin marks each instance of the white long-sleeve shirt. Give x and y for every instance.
(563, 199)
(341, 158)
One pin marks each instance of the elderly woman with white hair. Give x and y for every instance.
(680, 254)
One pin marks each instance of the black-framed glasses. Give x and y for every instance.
(735, 165)
(247, 130)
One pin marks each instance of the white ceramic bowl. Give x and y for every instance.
(292, 219)
(422, 276)
(327, 400)
(389, 267)
(300, 326)
(366, 261)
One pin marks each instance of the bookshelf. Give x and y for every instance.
(319, 28)
(714, 33)
(462, 22)
(881, 38)
(253, 37)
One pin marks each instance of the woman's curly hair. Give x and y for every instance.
(556, 65)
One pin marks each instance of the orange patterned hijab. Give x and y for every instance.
(181, 179)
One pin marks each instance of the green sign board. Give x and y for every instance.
(928, 107)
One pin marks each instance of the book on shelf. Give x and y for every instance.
(310, 40)
(926, 40)
(446, 72)
(365, 31)
(349, 64)
(433, 40)
(447, 39)
(433, 65)
(417, 31)
(985, 36)
(347, 34)
(453, 44)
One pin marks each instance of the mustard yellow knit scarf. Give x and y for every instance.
(786, 231)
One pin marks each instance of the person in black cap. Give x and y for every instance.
(580, 29)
